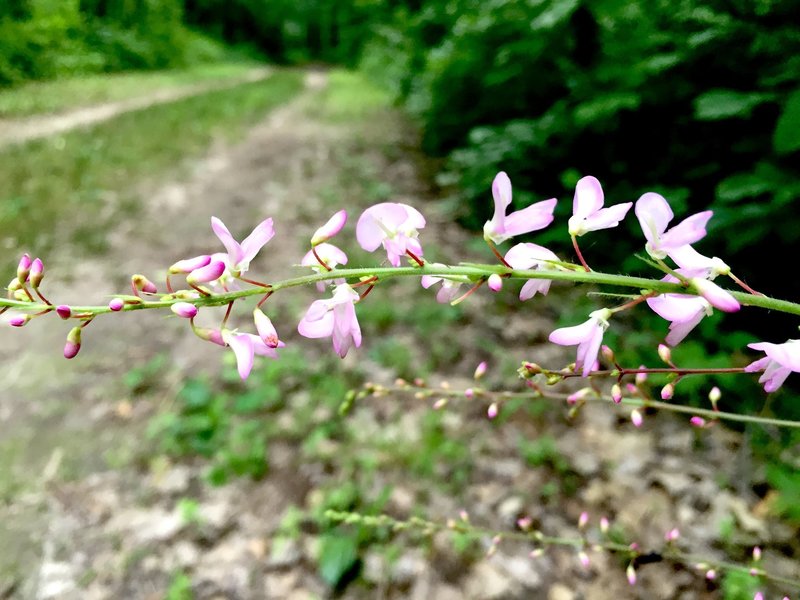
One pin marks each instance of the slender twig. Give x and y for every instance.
(578, 252)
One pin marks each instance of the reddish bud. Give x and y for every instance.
(636, 418)
(116, 304)
(143, 284)
(210, 272)
(492, 411)
(608, 354)
(641, 377)
(19, 320)
(665, 353)
(64, 311)
(190, 264)
(583, 520)
(330, 229)
(697, 421)
(184, 309)
(495, 282)
(37, 272)
(667, 391)
(210, 335)
(630, 573)
(616, 393)
(480, 370)
(24, 268)
(73, 344)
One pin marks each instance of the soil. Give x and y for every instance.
(84, 515)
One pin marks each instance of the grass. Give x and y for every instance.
(349, 96)
(54, 183)
(60, 95)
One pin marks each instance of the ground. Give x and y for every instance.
(93, 507)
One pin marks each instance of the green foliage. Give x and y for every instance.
(180, 588)
(739, 585)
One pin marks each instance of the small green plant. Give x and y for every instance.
(180, 588)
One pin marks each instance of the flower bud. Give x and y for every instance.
(525, 523)
(73, 344)
(630, 573)
(21, 295)
(210, 335)
(330, 229)
(711, 574)
(756, 553)
(37, 272)
(672, 535)
(616, 393)
(190, 264)
(636, 418)
(697, 421)
(667, 391)
(495, 282)
(608, 354)
(13, 286)
(143, 284)
(440, 404)
(583, 520)
(714, 395)
(716, 296)
(641, 377)
(24, 268)
(63, 311)
(604, 524)
(583, 558)
(492, 411)
(210, 272)
(19, 320)
(116, 304)
(665, 353)
(184, 309)
(469, 393)
(266, 330)
(480, 370)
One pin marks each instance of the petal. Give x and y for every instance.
(263, 233)
(317, 310)
(607, 217)
(318, 328)
(758, 365)
(773, 377)
(678, 330)
(266, 330)
(428, 280)
(242, 346)
(677, 307)
(532, 286)
(716, 296)
(588, 197)
(210, 272)
(501, 192)
(570, 336)
(688, 231)
(414, 218)
(654, 215)
(330, 229)
(231, 245)
(687, 257)
(262, 349)
(787, 354)
(532, 218)
(378, 222)
(588, 350)
(527, 256)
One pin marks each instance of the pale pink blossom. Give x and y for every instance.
(532, 218)
(688, 258)
(716, 296)
(588, 213)
(240, 255)
(682, 310)
(654, 215)
(780, 360)
(495, 282)
(211, 272)
(588, 337)
(245, 346)
(335, 317)
(116, 304)
(330, 229)
(450, 289)
(186, 310)
(188, 265)
(636, 418)
(391, 224)
(266, 330)
(534, 257)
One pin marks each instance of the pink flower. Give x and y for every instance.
(211, 272)
(245, 346)
(116, 304)
(187, 310)
(330, 255)
(683, 311)
(240, 255)
(588, 213)
(654, 215)
(495, 282)
(780, 360)
(532, 256)
(450, 289)
(335, 317)
(716, 296)
(330, 229)
(266, 330)
(190, 264)
(393, 225)
(588, 337)
(532, 218)
(688, 258)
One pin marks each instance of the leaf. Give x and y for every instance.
(337, 555)
(723, 104)
(786, 138)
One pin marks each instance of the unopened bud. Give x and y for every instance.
(37, 273)
(604, 524)
(616, 393)
(714, 395)
(266, 330)
(480, 370)
(73, 344)
(19, 320)
(630, 573)
(21, 295)
(440, 404)
(636, 418)
(667, 391)
(697, 421)
(641, 377)
(583, 520)
(525, 523)
(672, 535)
(716, 296)
(492, 411)
(184, 309)
(210, 272)
(24, 268)
(582, 393)
(711, 574)
(665, 353)
(756, 553)
(330, 229)
(583, 558)
(143, 284)
(63, 311)
(210, 335)
(190, 264)
(469, 393)
(608, 354)
(116, 304)
(495, 282)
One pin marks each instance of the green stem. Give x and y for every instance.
(472, 271)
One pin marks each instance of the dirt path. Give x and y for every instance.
(17, 131)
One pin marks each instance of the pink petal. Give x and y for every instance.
(317, 328)
(589, 349)
(377, 222)
(414, 219)
(190, 264)
(758, 365)
(428, 280)
(607, 217)
(588, 197)
(688, 231)
(677, 307)
(330, 229)
(678, 330)
(231, 245)
(527, 256)
(570, 336)
(262, 349)
(262, 234)
(210, 272)
(654, 215)
(242, 346)
(532, 286)
(501, 192)
(532, 218)
(716, 296)
(266, 330)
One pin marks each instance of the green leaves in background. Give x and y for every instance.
(787, 131)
